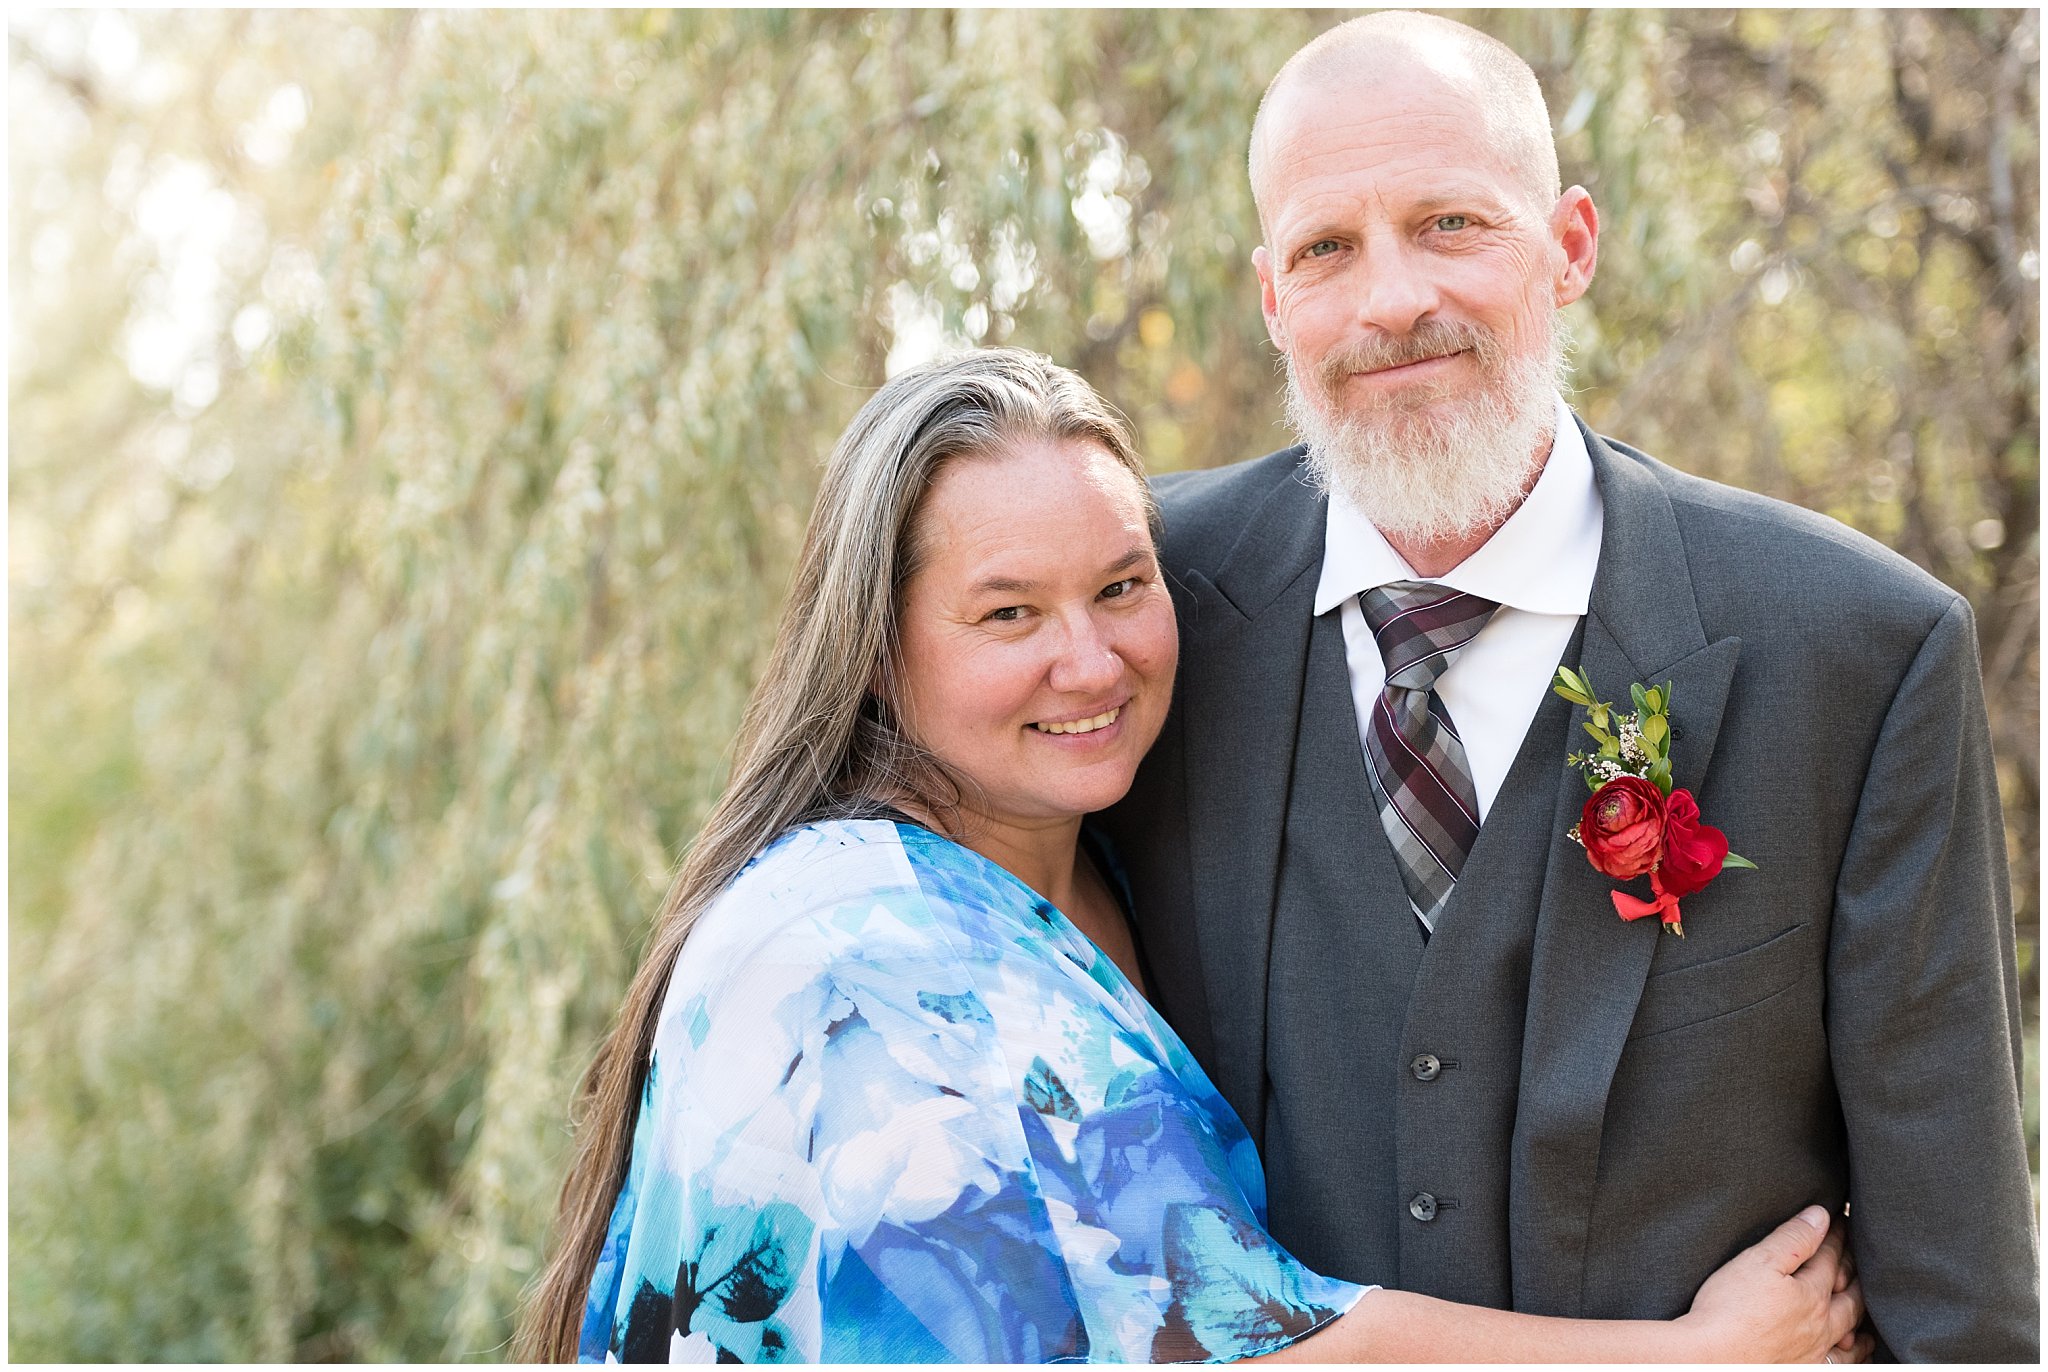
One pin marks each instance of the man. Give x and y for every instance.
(1359, 899)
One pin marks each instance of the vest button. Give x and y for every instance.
(1426, 1067)
(1423, 1207)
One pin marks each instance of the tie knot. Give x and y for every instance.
(1420, 628)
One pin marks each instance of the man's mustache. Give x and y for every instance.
(1430, 338)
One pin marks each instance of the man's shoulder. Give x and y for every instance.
(1207, 511)
(1749, 551)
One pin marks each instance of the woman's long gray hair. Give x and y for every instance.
(818, 739)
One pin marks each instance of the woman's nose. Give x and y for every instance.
(1087, 662)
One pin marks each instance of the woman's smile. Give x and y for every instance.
(1083, 726)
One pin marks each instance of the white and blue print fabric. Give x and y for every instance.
(900, 1110)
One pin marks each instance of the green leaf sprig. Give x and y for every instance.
(1634, 744)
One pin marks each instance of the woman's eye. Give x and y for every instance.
(1008, 614)
(1120, 588)
(1451, 223)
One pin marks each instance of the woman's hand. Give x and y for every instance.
(1791, 1298)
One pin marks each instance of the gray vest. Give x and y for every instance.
(1392, 1064)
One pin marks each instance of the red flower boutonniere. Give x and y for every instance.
(1635, 823)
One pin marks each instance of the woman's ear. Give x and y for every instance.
(880, 697)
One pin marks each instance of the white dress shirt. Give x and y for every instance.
(1539, 567)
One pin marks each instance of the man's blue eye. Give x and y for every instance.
(1322, 247)
(1451, 223)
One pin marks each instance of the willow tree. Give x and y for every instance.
(413, 416)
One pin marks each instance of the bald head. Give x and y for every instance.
(1440, 59)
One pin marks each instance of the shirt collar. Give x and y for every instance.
(1541, 560)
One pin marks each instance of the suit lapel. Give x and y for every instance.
(1587, 967)
(1244, 658)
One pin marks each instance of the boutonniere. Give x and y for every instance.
(1635, 823)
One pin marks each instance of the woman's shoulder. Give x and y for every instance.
(811, 881)
(823, 980)
(839, 900)
(832, 875)
(820, 862)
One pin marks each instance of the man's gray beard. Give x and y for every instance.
(1435, 471)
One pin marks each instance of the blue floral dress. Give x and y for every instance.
(900, 1110)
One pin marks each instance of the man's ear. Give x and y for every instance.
(1575, 227)
(1269, 305)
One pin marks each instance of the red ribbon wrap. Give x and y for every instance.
(1632, 908)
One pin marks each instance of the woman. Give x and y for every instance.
(899, 1097)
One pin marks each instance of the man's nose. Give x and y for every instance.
(1396, 292)
(1087, 662)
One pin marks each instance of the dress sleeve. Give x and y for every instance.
(882, 1142)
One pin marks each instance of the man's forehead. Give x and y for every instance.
(1449, 88)
(1447, 56)
(1388, 84)
(1420, 109)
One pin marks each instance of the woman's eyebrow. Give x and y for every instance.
(1010, 585)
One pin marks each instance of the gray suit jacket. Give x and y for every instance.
(1615, 1111)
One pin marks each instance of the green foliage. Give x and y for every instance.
(413, 417)
(1638, 745)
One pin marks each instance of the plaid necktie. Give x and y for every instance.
(1417, 763)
